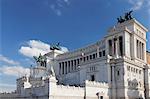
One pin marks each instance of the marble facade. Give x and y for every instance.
(115, 67)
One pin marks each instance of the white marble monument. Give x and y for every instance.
(112, 68)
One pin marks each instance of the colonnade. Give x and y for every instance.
(72, 65)
(116, 46)
(140, 50)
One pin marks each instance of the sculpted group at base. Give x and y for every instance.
(115, 67)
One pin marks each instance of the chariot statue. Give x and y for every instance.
(126, 17)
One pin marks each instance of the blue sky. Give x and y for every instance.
(26, 25)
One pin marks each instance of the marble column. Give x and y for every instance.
(119, 51)
(113, 48)
(140, 50)
(113, 82)
(116, 47)
(137, 49)
(143, 51)
(109, 74)
(97, 51)
(113, 76)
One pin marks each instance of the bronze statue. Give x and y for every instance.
(55, 47)
(127, 17)
(120, 19)
(130, 16)
(41, 60)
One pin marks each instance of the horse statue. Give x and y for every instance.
(126, 17)
(120, 20)
(41, 60)
(55, 47)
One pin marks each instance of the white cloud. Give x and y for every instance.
(67, 2)
(35, 47)
(39, 45)
(57, 6)
(136, 4)
(15, 71)
(8, 61)
(140, 4)
(148, 6)
(30, 52)
(56, 10)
